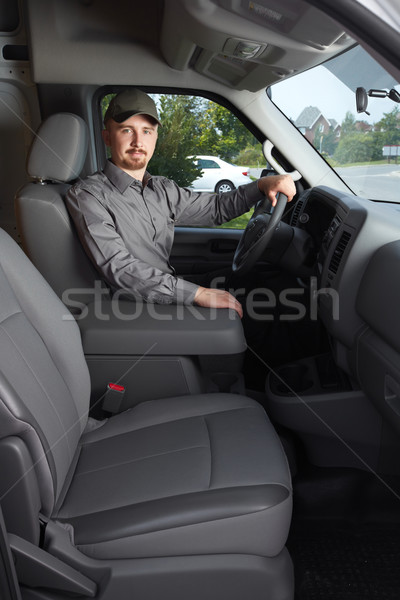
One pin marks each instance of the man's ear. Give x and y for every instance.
(106, 137)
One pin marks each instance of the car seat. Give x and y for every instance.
(56, 159)
(182, 497)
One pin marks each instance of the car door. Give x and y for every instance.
(209, 176)
(202, 250)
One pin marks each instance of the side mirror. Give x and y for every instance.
(268, 171)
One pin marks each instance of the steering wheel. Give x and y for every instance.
(258, 234)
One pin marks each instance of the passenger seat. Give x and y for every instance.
(175, 498)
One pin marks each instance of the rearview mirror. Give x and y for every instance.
(361, 100)
(362, 97)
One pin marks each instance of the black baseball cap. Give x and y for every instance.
(131, 102)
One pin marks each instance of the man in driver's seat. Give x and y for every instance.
(125, 218)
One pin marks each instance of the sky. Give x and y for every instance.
(321, 88)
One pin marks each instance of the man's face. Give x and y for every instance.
(132, 142)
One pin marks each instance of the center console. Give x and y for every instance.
(158, 351)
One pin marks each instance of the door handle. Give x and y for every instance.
(223, 246)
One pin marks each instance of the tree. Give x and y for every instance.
(329, 142)
(389, 127)
(176, 139)
(357, 147)
(105, 101)
(251, 156)
(222, 133)
(348, 124)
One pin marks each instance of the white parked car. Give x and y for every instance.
(219, 175)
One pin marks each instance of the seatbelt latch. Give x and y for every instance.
(113, 398)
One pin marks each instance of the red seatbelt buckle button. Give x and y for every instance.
(113, 398)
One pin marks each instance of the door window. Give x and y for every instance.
(194, 127)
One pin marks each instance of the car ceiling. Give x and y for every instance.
(183, 42)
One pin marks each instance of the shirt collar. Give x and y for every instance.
(121, 179)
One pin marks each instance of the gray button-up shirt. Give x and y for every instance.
(127, 228)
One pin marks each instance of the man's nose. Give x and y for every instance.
(136, 139)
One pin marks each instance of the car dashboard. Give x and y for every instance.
(357, 253)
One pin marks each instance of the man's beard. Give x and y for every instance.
(136, 162)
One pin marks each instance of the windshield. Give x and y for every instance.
(362, 147)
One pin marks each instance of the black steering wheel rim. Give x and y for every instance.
(258, 234)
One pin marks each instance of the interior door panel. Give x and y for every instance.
(201, 250)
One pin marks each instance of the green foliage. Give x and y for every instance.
(326, 143)
(222, 134)
(330, 142)
(251, 156)
(389, 127)
(179, 118)
(105, 101)
(348, 124)
(357, 147)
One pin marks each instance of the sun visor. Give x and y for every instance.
(369, 74)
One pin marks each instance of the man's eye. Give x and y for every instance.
(127, 130)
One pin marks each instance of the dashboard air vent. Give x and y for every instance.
(296, 212)
(339, 251)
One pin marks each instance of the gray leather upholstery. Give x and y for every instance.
(59, 149)
(56, 158)
(44, 379)
(188, 476)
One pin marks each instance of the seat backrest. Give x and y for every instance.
(48, 237)
(44, 390)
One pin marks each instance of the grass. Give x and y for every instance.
(371, 163)
(238, 223)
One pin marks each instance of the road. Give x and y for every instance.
(379, 182)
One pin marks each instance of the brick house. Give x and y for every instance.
(310, 121)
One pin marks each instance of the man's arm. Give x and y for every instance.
(270, 187)
(205, 209)
(108, 252)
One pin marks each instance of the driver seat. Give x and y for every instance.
(49, 239)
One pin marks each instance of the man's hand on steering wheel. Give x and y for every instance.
(275, 184)
(277, 189)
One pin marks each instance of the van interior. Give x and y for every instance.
(156, 451)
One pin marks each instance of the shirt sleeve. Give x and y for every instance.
(204, 209)
(120, 269)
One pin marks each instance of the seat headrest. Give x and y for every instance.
(59, 148)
